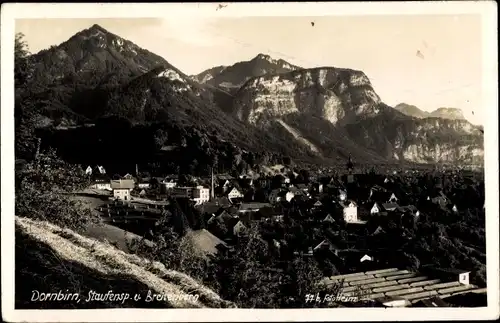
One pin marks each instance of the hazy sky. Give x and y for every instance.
(447, 72)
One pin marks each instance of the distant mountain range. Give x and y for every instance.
(321, 114)
(444, 113)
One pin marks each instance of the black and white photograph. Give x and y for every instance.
(314, 157)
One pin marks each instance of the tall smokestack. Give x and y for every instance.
(212, 193)
(136, 170)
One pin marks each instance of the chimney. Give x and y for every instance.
(136, 170)
(212, 193)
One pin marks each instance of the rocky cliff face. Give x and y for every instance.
(341, 104)
(337, 95)
(421, 140)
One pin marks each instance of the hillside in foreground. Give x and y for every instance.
(55, 258)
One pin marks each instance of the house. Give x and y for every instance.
(317, 204)
(440, 199)
(350, 211)
(289, 196)
(145, 183)
(286, 179)
(342, 195)
(167, 184)
(453, 274)
(392, 198)
(329, 219)
(198, 194)
(121, 188)
(233, 193)
(239, 229)
(390, 206)
(201, 195)
(221, 217)
(88, 170)
(378, 193)
(252, 207)
(375, 209)
(326, 245)
(411, 209)
(101, 185)
(264, 182)
(278, 218)
(128, 176)
(101, 170)
(377, 231)
(366, 258)
(303, 187)
(454, 208)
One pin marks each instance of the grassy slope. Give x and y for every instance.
(49, 258)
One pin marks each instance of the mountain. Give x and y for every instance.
(334, 111)
(448, 113)
(230, 78)
(263, 106)
(443, 113)
(209, 74)
(95, 76)
(411, 110)
(95, 52)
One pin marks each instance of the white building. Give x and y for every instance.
(342, 195)
(375, 209)
(101, 185)
(122, 188)
(234, 193)
(144, 185)
(350, 211)
(289, 196)
(393, 198)
(200, 194)
(88, 171)
(167, 185)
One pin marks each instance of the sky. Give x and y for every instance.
(429, 61)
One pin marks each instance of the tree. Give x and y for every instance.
(246, 275)
(23, 68)
(24, 108)
(43, 192)
(160, 138)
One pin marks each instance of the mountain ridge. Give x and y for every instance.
(443, 113)
(257, 104)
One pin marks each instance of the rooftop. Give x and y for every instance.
(122, 184)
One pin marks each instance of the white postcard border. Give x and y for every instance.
(487, 9)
